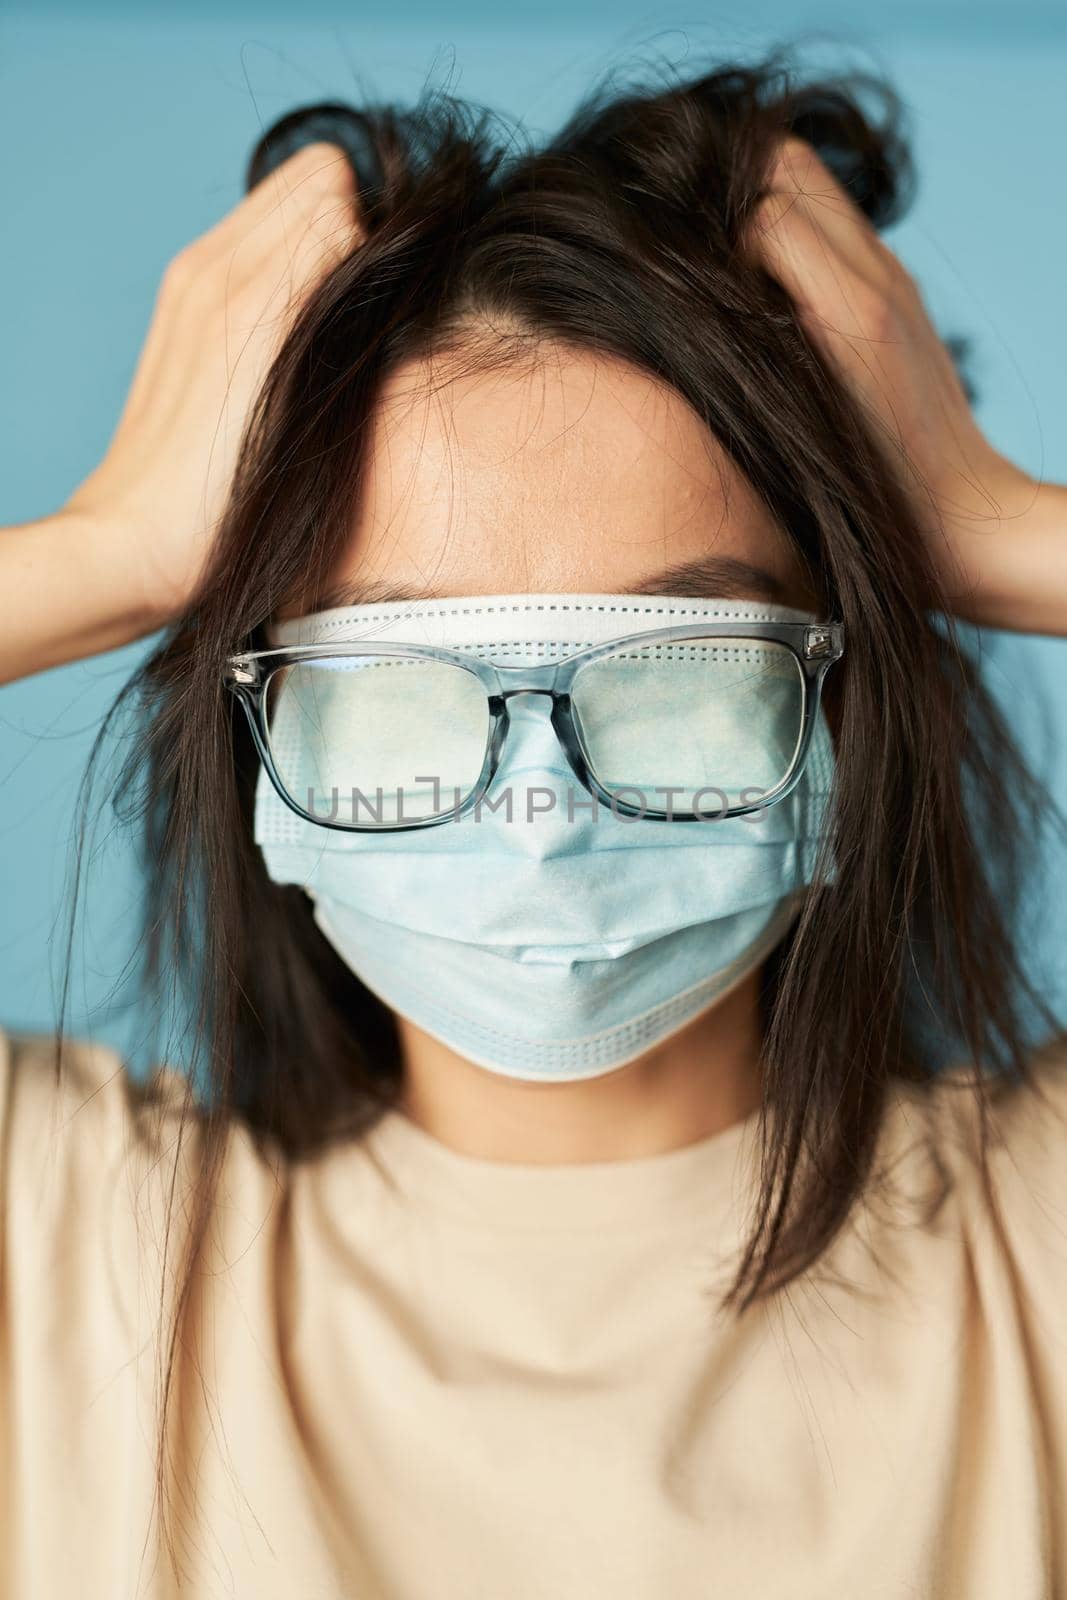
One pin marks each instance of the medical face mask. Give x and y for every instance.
(546, 932)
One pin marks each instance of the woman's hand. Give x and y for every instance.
(123, 556)
(998, 536)
(223, 308)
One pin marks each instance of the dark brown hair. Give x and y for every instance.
(623, 234)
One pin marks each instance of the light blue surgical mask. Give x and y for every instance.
(554, 939)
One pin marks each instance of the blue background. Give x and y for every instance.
(124, 133)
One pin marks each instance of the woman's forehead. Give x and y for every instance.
(573, 472)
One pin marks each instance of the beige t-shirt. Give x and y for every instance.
(424, 1376)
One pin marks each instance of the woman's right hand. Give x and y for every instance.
(124, 554)
(222, 310)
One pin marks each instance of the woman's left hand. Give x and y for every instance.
(999, 536)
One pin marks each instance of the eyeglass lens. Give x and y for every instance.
(379, 739)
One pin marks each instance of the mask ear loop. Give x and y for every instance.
(817, 782)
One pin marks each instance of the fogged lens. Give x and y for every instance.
(718, 721)
(376, 739)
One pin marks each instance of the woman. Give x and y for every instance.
(620, 1151)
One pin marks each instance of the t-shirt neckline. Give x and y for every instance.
(659, 1189)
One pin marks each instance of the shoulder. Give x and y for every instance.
(82, 1145)
(1016, 1125)
(68, 1102)
(98, 1170)
(1026, 1188)
(1000, 1151)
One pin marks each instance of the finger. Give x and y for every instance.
(314, 189)
(312, 170)
(817, 243)
(850, 292)
(290, 249)
(238, 282)
(811, 265)
(807, 187)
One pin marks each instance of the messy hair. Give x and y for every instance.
(623, 234)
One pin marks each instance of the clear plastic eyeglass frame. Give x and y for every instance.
(816, 646)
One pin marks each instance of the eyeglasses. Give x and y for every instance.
(391, 737)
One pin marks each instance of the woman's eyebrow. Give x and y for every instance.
(707, 578)
(713, 577)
